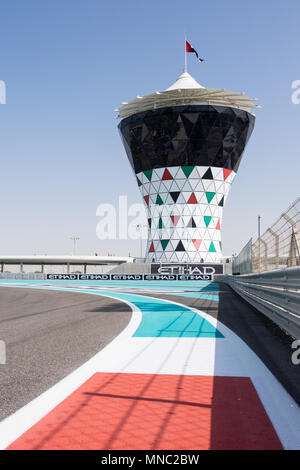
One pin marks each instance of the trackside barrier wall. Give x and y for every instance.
(24, 276)
(131, 268)
(276, 294)
(110, 277)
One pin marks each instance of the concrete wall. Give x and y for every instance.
(56, 269)
(132, 268)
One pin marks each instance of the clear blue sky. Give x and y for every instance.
(68, 63)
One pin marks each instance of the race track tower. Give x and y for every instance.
(185, 145)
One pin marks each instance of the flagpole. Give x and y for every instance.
(185, 61)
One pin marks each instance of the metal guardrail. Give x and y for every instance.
(274, 293)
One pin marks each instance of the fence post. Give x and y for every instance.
(295, 243)
(265, 259)
(274, 234)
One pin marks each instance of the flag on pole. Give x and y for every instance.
(189, 48)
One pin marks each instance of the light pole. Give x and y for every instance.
(74, 243)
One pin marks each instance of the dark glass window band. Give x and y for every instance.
(203, 135)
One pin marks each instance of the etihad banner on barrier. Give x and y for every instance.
(159, 272)
(202, 269)
(130, 277)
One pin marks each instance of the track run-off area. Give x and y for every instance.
(143, 365)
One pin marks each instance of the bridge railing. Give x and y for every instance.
(276, 294)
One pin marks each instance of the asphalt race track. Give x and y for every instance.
(265, 338)
(48, 335)
(143, 365)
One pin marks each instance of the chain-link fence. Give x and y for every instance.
(277, 248)
(242, 263)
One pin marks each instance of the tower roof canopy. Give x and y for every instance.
(186, 90)
(184, 81)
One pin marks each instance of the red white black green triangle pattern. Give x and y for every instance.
(185, 208)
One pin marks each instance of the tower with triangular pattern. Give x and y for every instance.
(185, 145)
